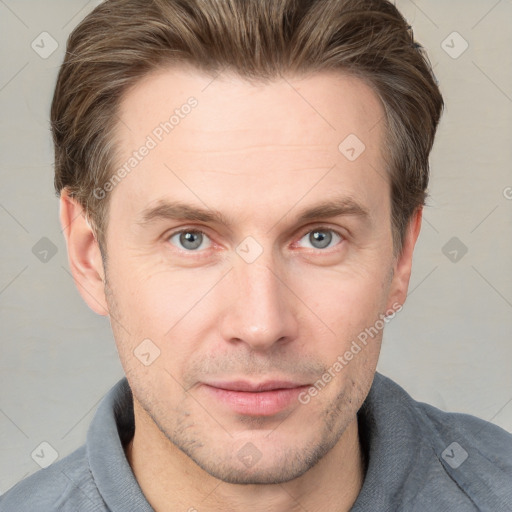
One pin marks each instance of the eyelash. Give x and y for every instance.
(309, 230)
(322, 228)
(188, 230)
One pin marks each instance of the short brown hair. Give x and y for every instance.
(121, 41)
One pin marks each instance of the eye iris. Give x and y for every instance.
(320, 239)
(191, 239)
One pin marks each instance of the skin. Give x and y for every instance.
(259, 155)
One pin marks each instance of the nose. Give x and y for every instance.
(260, 311)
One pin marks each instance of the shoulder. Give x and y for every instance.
(65, 486)
(491, 439)
(474, 454)
(482, 444)
(478, 437)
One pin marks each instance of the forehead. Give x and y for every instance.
(322, 104)
(254, 141)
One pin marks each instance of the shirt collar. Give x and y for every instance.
(387, 430)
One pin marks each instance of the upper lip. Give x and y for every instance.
(242, 385)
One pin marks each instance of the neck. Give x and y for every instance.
(170, 480)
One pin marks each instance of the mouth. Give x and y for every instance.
(255, 399)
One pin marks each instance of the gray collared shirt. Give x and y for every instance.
(419, 459)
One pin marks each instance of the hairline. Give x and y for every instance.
(191, 67)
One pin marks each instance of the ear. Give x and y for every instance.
(84, 254)
(403, 263)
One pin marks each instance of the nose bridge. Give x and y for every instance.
(261, 313)
(258, 284)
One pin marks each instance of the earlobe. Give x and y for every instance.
(403, 264)
(84, 254)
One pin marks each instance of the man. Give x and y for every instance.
(241, 189)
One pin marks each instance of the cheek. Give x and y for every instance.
(168, 307)
(344, 301)
(349, 305)
(143, 293)
(151, 349)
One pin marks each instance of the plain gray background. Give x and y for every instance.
(451, 344)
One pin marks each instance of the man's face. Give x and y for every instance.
(289, 262)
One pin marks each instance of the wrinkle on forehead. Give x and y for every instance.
(256, 148)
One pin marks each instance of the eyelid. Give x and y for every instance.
(310, 229)
(321, 227)
(304, 231)
(186, 229)
(167, 237)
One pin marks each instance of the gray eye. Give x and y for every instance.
(320, 239)
(189, 240)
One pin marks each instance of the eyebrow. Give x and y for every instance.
(335, 208)
(176, 210)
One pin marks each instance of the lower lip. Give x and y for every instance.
(263, 403)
